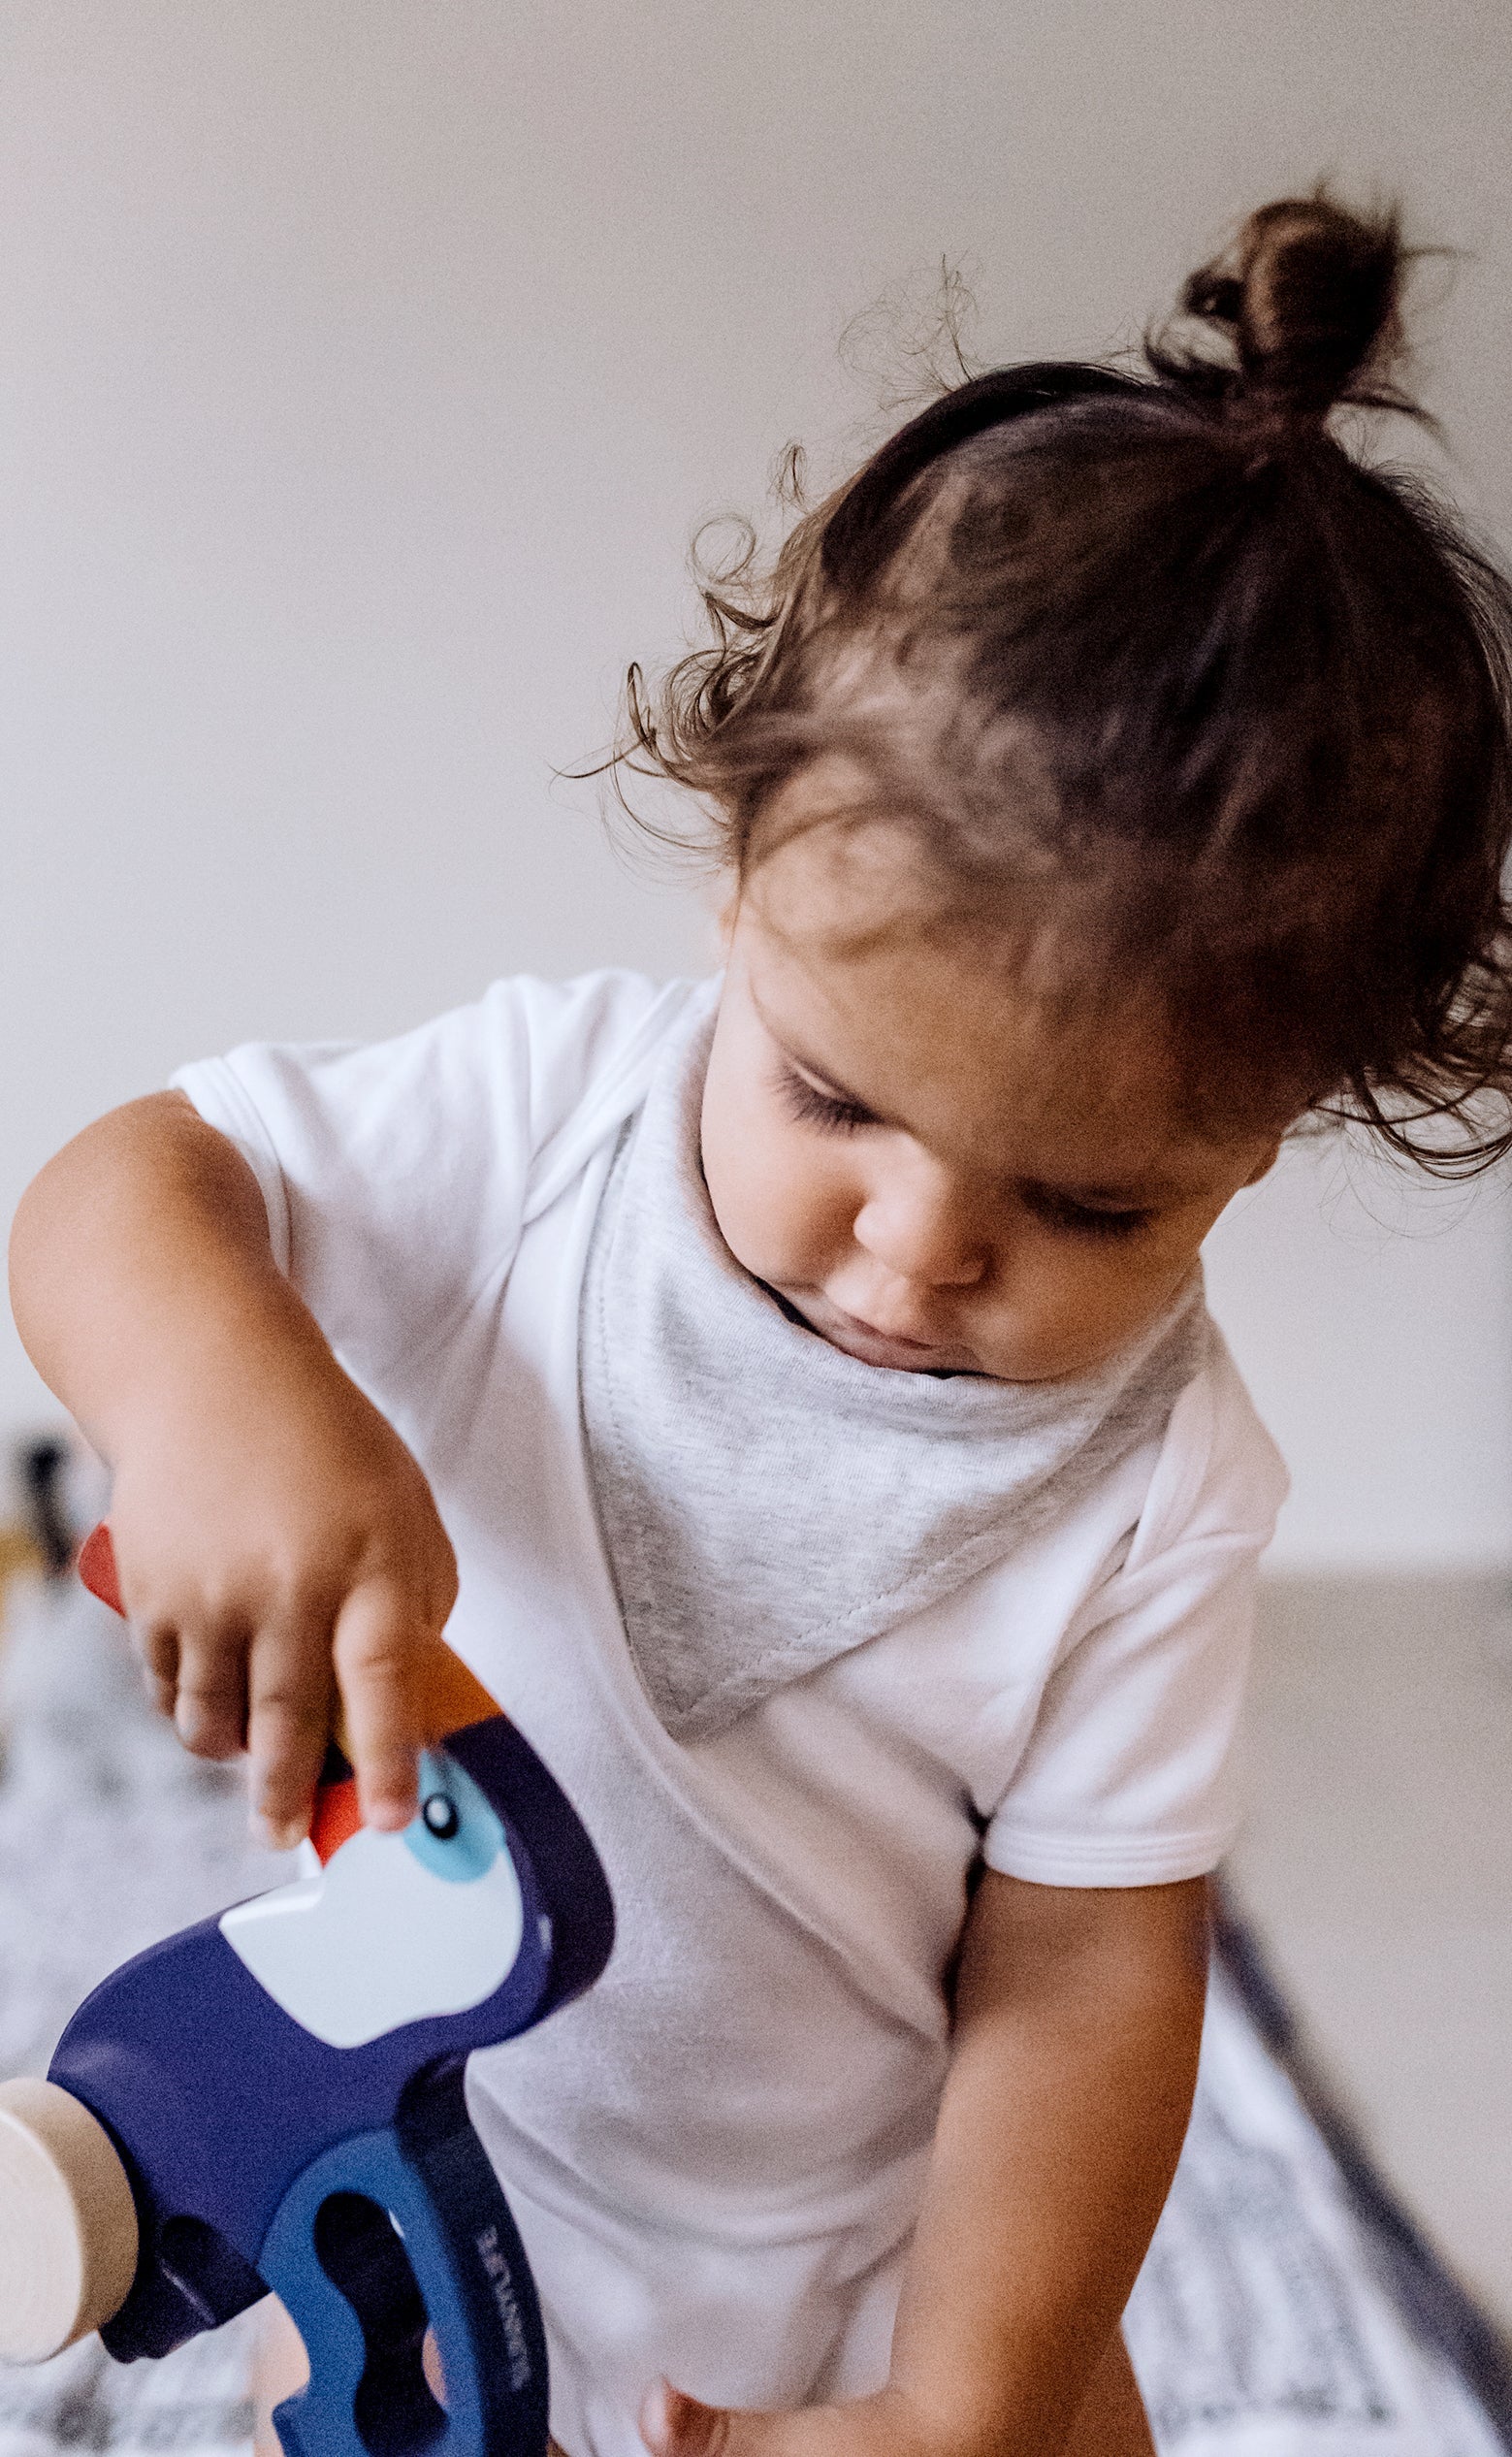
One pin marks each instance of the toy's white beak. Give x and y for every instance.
(395, 1927)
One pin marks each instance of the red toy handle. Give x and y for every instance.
(97, 1567)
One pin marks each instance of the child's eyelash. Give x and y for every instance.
(1083, 1219)
(811, 1107)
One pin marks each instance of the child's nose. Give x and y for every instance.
(918, 1227)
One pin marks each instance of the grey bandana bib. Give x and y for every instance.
(768, 1503)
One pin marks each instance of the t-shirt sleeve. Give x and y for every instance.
(1130, 1776)
(394, 1175)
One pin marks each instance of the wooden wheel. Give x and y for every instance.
(68, 2223)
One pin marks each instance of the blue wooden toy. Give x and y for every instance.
(273, 2100)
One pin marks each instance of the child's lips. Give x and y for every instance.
(871, 1346)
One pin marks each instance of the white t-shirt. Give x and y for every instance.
(715, 2158)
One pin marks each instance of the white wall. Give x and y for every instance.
(364, 364)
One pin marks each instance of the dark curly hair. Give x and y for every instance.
(1154, 661)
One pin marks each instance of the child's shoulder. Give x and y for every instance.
(525, 1054)
(584, 1024)
(587, 1042)
(584, 1007)
(1218, 1475)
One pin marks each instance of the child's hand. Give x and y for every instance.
(272, 1542)
(675, 2425)
(1111, 2423)
(273, 1535)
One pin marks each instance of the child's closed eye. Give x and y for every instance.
(812, 1106)
(1084, 1219)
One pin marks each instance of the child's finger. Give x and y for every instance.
(210, 1712)
(163, 1694)
(380, 1655)
(673, 2424)
(157, 1653)
(291, 1705)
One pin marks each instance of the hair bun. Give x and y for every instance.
(1308, 293)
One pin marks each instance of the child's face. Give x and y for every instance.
(931, 1175)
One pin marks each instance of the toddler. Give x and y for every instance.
(792, 1393)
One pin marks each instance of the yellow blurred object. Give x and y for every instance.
(20, 1557)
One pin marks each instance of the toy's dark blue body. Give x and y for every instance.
(345, 2178)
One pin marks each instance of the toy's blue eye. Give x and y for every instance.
(456, 1835)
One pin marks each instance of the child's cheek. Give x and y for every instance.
(814, 1203)
(783, 1211)
(1061, 1308)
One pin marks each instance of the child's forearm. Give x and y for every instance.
(1079, 2021)
(141, 1259)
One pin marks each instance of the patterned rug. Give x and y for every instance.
(1287, 2309)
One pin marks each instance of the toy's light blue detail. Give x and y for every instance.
(475, 1842)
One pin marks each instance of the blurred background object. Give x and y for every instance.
(1379, 1863)
(364, 366)
(40, 1535)
(37, 1540)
